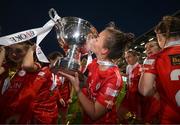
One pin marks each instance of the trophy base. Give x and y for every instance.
(65, 66)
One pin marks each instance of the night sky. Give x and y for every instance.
(136, 16)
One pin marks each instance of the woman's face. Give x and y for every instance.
(130, 58)
(16, 52)
(97, 44)
(151, 48)
(161, 40)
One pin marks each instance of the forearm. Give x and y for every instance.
(93, 109)
(28, 59)
(72, 92)
(87, 105)
(145, 85)
(2, 57)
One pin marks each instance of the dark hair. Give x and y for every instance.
(112, 25)
(169, 26)
(116, 42)
(54, 55)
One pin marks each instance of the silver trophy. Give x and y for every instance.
(74, 31)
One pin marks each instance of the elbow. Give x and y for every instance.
(96, 115)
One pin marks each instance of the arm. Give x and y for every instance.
(28, 61)
(94, 110)
(71, 94)
(2, 57)
(146, 84)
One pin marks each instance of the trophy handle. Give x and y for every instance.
(52, 12)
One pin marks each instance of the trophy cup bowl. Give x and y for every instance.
(74, 32)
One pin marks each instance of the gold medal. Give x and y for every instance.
(12, 72)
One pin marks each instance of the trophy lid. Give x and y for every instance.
(75, 30)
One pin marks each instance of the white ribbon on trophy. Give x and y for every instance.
(29, 34)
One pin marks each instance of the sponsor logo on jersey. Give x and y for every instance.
(111, 92)
(149, 61)
(175, 59)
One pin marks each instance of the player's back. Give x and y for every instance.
(168, 70)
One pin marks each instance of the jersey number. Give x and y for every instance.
(175, 76)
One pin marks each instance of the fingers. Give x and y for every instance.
(65, 75)
(62, 102)
(74, 79)
(70, 101)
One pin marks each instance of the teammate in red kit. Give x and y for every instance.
(151, 105)
(130, 109)
(165, 69)
(19, 71)
(46, 95)
(104, 80)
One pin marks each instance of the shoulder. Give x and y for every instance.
(113, 76)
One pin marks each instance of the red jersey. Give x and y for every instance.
(9, 95)
(133, 77)
(150, 111)
(132, 100)
(150, 105)
(103, 86)
(44, 104)
(167, 71)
